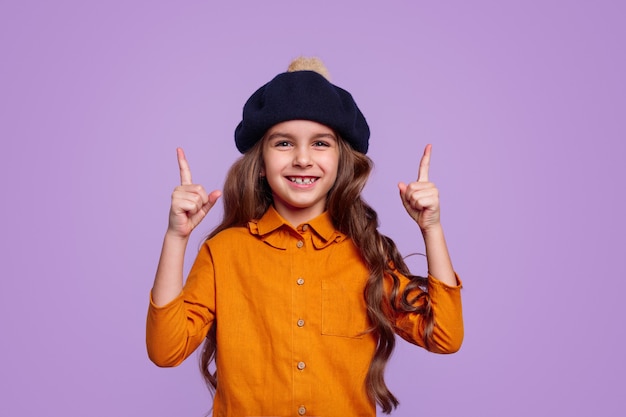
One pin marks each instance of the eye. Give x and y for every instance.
(321, 143)
(281, 144)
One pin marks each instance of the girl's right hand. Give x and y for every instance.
(190, 202)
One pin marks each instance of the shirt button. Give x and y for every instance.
(305, 227)
(301, 410)
(300, 323)
(300, 281)
(300, 244)
(301, 365)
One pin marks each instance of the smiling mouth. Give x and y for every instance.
(302, 180)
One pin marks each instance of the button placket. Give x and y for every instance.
(301, 336)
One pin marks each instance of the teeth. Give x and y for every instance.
(300, 180)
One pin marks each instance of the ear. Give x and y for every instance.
(262, 173)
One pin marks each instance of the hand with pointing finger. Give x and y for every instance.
(421, 198)
(190, 202)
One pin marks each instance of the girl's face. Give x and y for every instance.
(300, 158)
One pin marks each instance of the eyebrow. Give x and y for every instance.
(290, 136)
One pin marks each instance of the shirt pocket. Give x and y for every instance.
(343, 309)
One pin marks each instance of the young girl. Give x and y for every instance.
(296, 294)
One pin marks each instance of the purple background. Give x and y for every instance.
(524, 102)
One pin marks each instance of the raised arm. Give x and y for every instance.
(421, 201)
(190, 203)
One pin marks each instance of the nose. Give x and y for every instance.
(302, 157)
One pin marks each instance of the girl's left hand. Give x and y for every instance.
(421, 198)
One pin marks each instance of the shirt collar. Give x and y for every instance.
(274, 229)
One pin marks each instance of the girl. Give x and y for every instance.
(296, 294)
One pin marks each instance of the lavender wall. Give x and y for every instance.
(524, 102)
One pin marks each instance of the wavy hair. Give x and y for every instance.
(247, 195)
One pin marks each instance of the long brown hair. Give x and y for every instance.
(246, 196)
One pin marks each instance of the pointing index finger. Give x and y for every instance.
(185, 172)
(422, 175)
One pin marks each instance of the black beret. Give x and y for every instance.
(302, 95)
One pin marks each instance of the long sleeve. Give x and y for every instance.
(448, 331)
(175, 330)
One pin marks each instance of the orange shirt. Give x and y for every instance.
(291, 314)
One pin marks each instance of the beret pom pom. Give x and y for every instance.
(309, 64)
